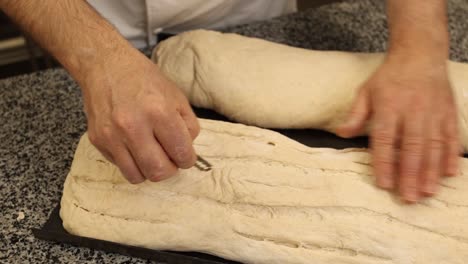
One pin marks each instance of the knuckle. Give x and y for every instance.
(382, 163)
(194, 132)
(455, 144)
(384, 169)
(451, 132)
(106, 133)
(194, 129)
(436, 143)
(153, 109)
(97, 140)
(156, 165)
(418, 104)
(124, 122)
(452, 138)
(183, 155)
(99, 137)
(391, 105)
(156, 111)
(383, 137)
(92, 136)
(413, 144)
(410, 175)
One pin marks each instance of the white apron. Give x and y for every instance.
(140, 20)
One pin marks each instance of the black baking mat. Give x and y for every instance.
(53, 229)
(309, 137)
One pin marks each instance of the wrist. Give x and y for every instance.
(430, 54)
(86, 59)
(418, 30)
(415, 66)
(420, 43)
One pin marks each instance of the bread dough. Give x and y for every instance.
(268, 199)
(271, 85)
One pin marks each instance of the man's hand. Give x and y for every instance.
(414, 136)
(414, 132)
(136, 117)
(139, 119)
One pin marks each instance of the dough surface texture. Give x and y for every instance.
(268, 199)
(257, 82)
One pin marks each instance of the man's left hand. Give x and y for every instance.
(414, 129)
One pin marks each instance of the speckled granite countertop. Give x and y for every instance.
(42, 120)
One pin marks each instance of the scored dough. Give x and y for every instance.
(268, 199)
(271, 85)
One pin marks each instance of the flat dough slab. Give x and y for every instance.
(257, 82)
(268, 199)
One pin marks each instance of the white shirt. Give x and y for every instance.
(140, 20)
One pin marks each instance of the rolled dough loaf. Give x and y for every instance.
(271, 85)
(268, 199)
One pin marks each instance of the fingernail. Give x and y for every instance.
(155, 179)
(135, 180)
(385, 183)
(452, 171)
(411, 197)
(430, 189)
(186, 157)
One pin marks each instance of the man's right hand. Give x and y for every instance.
(138, 118)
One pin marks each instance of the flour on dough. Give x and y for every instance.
(267, 200)
(257, 82)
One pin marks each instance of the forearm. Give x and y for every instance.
(77, 36)
(418, 29)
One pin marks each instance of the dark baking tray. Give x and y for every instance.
(309, 137)
(54, 231)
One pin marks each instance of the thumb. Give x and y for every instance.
(357, 117)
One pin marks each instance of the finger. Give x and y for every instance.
(150, 157)
(383, 139)
(125, 162)
(452, 152)
(100, 146)
(174, 137)
(190, 119)
(358, 115)
(433, 160)
(412, 150)
(107, 155)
